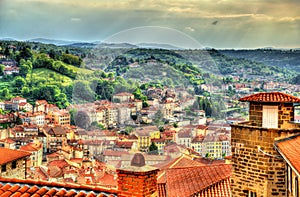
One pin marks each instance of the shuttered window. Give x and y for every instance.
(270, 117)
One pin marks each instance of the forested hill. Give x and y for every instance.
(289, 59)
(196, 62)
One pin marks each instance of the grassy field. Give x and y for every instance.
(80, 70)
(50, 76)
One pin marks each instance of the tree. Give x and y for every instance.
(105, 89)
(5, 94)
(25, 53)
(82, 120)
(158, 116)
(139, 95)
(19, 82)
(73, 113)
(71, 59)
(2, 69)
(47, 92)
(7, 52)
(42, 61)
(61, 100)
(25, 69)
(153, 149)
(25, 92)
(82, 92)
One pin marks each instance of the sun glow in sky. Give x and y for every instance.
(218, 24)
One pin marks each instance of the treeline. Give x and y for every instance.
(43, 61)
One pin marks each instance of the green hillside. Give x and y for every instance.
(49, 77)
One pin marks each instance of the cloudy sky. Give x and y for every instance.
(212, 23)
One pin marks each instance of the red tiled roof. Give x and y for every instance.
(180, 162)
(17, 187)
(197, 180)
(290, 148)
(271, 97)
(8, 155)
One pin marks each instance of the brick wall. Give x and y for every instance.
(263, 173)
(137, 182)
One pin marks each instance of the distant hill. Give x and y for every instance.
(157, 46)
(288, 59)
(52, 41)
(8, 39)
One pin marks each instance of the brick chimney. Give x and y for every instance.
(137, 180)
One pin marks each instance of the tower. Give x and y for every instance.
(258, 170)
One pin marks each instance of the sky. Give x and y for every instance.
(209, 23)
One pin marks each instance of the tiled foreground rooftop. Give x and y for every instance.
(32, 188)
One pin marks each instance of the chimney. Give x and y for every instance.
(137, 180)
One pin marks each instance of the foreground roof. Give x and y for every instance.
(199, 180)
(271, 97)
(9, 155)
(289, 148)
(187, 177)
(25, 188)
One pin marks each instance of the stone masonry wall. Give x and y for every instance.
(137, 184)
(253, 170)
(285, 114)
(18, 172)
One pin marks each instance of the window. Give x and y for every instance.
(270, 116)
(296, 187)
(297, 113)
(14, 164)
(289, 178)
(251, 194)
(3, 168)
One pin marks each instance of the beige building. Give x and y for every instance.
(123, 97)
(36, 150)
(60, 117)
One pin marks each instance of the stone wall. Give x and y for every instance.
(285, 114)
(256, 165)
(18, 172)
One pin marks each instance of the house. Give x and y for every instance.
(24, 106)
(56, 137)
(184, 137)
(41, 106)
(144, 135)
(13, 163)
(60, 117)
(257, 169)
(25, 130)
(122, 97)
(9, 70)
(197, 144)
(36, 150)
(18, 100)
(8, 143)
(289, 149)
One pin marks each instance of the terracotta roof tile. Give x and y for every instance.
(290, 148)
(10, 187)
(195, 180)
(8, 155)
(271, 97)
